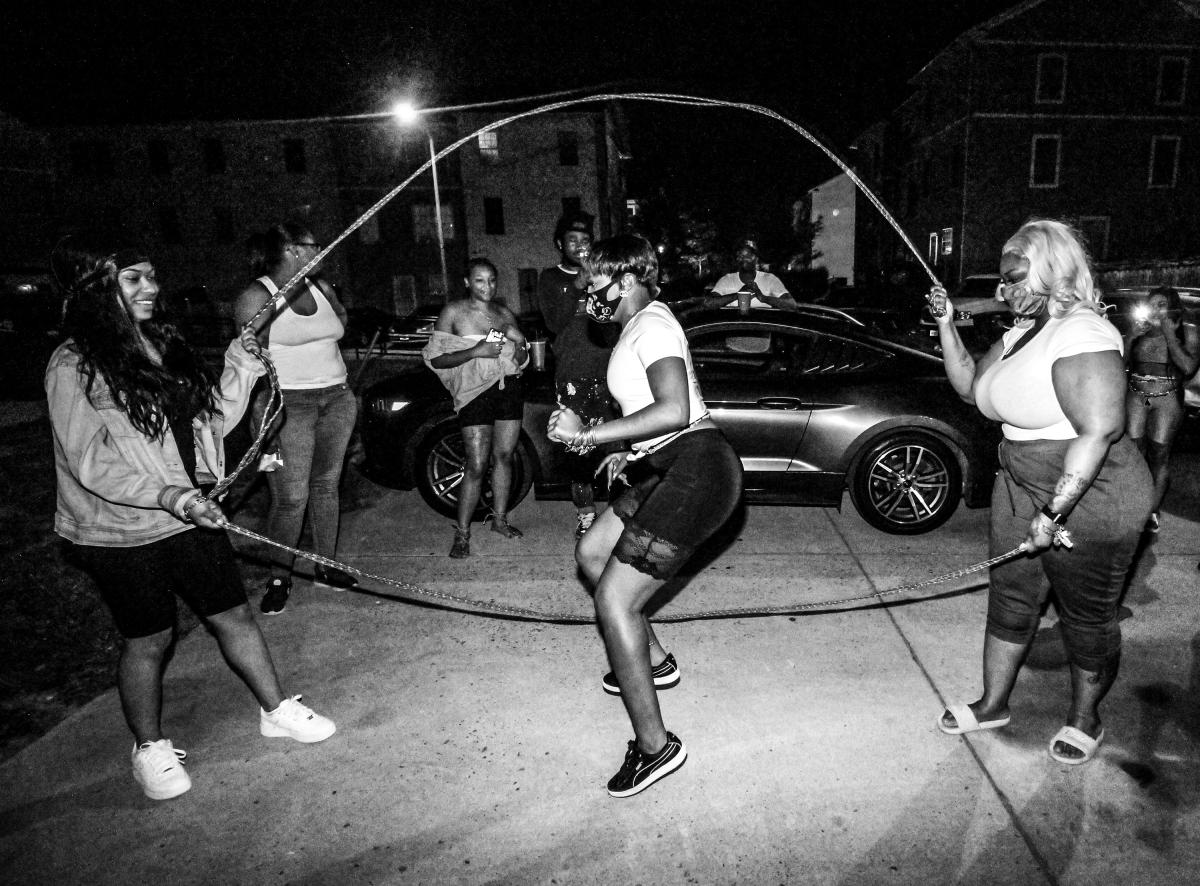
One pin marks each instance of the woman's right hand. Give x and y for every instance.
(613, 467)
(488, 350)
(205, 514)
(940, 306)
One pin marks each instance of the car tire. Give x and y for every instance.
(907, 483)
(439, 467)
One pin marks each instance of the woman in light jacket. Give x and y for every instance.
(138, 421)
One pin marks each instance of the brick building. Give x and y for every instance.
(193, 192)
(1084, 110)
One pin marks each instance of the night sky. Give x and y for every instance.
(836, 66)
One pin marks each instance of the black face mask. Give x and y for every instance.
(602, 304)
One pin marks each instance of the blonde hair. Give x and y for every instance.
(1058, 265)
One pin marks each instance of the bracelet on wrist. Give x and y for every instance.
(187, 508)
(1054, 517)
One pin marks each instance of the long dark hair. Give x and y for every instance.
(106, 339)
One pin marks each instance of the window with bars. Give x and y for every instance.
(493, 215)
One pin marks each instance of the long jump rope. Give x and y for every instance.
(416, 593)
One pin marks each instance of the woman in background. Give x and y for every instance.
(301, 331)
(1162, 352)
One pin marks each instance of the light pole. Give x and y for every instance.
(407, 114)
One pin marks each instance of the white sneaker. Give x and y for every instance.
(158, 768)
(293, 720)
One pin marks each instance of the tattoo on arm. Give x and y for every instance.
(1070, 488)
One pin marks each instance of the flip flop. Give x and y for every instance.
(1076, 738)
(964, 719)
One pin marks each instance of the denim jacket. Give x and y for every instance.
(116, 486)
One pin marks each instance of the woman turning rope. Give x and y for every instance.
(685, 483)
(1056, 383)
(138, 421)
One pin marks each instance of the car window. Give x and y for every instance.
(793, 352)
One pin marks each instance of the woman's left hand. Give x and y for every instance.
(564, 425)
(613, 467)
(249, 342)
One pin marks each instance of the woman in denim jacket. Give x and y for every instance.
(138, 421)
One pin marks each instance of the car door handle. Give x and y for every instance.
(780, 403)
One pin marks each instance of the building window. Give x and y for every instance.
(489, 146)
(1051, 78)
(633, 208)
(1172, 80)
(293, 155)
(91, 159)
(1164, 161)
(1045, 157)
(159, 157)
(169, 229)
(947, 239)
(425, 222)
(493, 215)
(568, 148)
(214, 156)
(570, 205)
(931, 252)
(1094, 229)
(224, 230)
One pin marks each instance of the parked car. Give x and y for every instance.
(814, 405)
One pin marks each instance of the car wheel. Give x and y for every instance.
(907, 484)
(441, 465)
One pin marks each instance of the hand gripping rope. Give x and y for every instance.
(414, 592)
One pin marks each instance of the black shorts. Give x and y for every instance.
(495, 404)
(139, 584)
(680, 495)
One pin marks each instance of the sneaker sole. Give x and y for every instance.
(658, 774)
(272, 611)
(660, 683)
(165, 793)
(269, 730)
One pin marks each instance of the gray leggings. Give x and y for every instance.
(1088, 579)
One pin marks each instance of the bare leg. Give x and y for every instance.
(1001, 662)
(505, 435)
(1088, 689)
(592, 555)
(139, 682)
(477, 440)
(1163, 423)
(246, 651)
(620, 596)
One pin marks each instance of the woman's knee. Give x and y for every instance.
(152, 646)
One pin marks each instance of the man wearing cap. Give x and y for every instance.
(748, 287)
(580, 351)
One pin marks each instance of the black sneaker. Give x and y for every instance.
(639, 770)
(665, 674)
(333, 578)
(274, 601)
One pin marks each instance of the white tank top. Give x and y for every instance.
(305, 349)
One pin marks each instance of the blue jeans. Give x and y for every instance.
(316, 429)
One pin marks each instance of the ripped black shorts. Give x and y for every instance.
(679, 496)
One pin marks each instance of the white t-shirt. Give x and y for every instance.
(1018, 390)
(768, 284)
(651, 335)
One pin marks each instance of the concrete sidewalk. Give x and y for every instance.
(475, 750)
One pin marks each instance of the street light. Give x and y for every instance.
(406, 114)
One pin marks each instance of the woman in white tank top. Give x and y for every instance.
(301, 334)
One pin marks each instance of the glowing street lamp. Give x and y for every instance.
(406, 114)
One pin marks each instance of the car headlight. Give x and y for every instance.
(390, 404)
